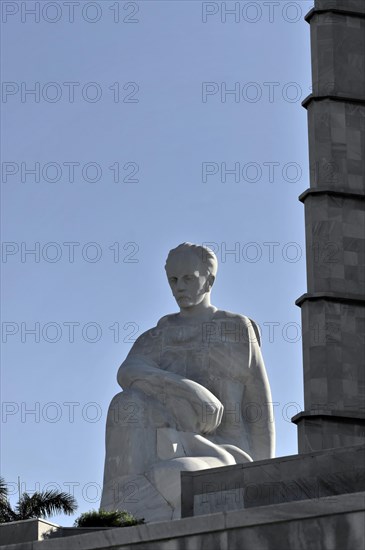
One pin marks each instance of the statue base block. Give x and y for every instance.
(292, 478)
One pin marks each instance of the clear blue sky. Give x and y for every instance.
(172, 132)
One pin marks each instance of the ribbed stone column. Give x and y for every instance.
(333, 310)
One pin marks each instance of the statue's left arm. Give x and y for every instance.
(257, 408)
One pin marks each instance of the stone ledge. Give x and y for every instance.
(336, 11)
(335, 414)
(353, 5)
(25, 530)
(334, 192)
(339, 98)
(332, 297)
(233, 530)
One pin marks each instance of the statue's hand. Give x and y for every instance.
(195, 408)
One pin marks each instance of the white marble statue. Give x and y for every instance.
(195, 396)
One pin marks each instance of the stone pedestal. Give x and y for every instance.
(310, 476)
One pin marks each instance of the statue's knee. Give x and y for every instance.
(134, 409)
(126, 408)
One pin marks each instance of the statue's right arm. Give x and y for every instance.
(136, 368)
(142, 360)
(194, 407)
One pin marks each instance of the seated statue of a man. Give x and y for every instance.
(195, 396)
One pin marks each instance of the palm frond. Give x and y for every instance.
(3, 490)
(45, 504)
(7, 514)
(23, 507)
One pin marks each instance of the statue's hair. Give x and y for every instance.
(206, 256)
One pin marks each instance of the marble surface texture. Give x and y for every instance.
(195, 396)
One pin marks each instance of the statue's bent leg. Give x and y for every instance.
(240, 456)
(131, 448)
(145, 455)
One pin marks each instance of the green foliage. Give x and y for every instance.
(45, 504)
(3, 490)
(102, 518)
(38, 505)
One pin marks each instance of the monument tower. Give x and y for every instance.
(333, 312)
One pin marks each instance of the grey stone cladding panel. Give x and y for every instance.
(335, 244)
(336, 132)
(357, 6)
(333, 355)
(338, 55)
(312, 475)
(322, 432)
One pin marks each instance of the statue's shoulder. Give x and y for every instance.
(147, 337)
(153, 333)
(147, 343)
(230, 316)
(165, 320)
(242, 320)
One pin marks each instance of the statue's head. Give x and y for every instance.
(191, 271)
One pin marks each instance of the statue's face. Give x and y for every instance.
(187, 279)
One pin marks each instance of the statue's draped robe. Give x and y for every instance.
(144, 435)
